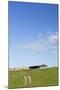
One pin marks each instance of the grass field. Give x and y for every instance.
(40, 77)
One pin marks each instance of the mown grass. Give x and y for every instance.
(40, 77)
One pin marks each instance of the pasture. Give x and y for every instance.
(39, 78)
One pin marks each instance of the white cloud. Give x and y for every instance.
(53, 37)
(53, 40)
(44, 42)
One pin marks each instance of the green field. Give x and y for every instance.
(40, 77)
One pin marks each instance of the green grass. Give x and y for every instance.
(40, 77)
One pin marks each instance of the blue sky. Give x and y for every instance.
(33, 34)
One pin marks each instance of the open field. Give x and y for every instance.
(40, 77)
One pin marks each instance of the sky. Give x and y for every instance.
(33, 34)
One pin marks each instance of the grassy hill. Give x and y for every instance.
(40, 77)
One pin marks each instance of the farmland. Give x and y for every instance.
(40, 77)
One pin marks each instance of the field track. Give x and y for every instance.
(39, 77)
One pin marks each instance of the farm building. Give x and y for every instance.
(43, 66)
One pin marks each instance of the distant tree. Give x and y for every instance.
(34, 67)
(38, 66)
